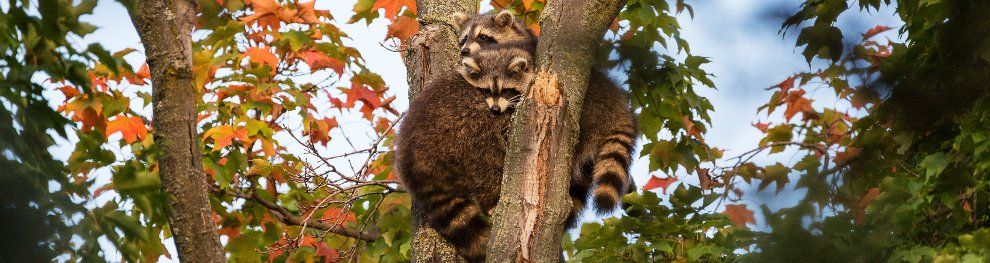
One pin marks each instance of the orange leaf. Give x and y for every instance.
(329, 255)
(262, 8)
(307, 13)
(224, 135)
(705, 180)
(762, 126)
(69, 92)
(102, 189)
(362, 93)
(319, 130)
(262, 56)
(874, 31)
(797, 103)
(786, 84)
(317, 61)
(662, 183)
(403, 28)
(739, 214)
(535, 27)
(392, 7)
(144, 72)
(131, 128)
(860, 209)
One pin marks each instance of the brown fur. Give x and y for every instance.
(608, 125)
(450, 154)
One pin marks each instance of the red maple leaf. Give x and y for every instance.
(739, 214)
(224, 135)
(69, 92)
(361, 92)
(392, 7)
(318, 60)
(762, 126)
(403, 28)
(261, 56)
(662, 183)
(797, 103)
(131, 128)
(874, 31)
(319, 130)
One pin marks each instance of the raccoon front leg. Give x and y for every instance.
(462, 222)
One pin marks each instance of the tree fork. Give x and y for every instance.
(534, 203)
(165, 28)
(433, 51)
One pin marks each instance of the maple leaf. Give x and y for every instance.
(224, 135)
(403, 28)
(329, 255)
(69, 92)
(739, 214)
(261, 56)
(361, 92)
(319, 130)
(535, 27)
(860, 209)
(797, 103)
(144, 72)
(317, 61)
(705, 180)
(307, 13)
(762, 126)
(786, 84)
(87, 110)
(262, 8)
(874, 31)
(131, 128)
(392, 7)
(662, 183)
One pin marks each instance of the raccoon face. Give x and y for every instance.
(502, 76)
(480, 31)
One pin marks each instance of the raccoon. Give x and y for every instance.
(492, 28)
(608, 125)
(451, 148)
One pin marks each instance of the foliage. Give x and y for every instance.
(907, 179)
(261, 67)
(903, 177)
(41, 207)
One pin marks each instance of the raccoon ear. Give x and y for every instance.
(460, 18)
(504, 18)
(519, 64)
(470, 65)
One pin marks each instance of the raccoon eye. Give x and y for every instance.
(510, 93)
(463, 40)
(485, 38)
(485, 91)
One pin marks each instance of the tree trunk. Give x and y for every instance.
(432, 52)
(165, 28)
(529, 219)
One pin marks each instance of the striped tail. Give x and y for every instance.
(461, 222)
(611, 171)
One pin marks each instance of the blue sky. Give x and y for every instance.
(740, 36)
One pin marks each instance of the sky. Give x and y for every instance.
(740, 36)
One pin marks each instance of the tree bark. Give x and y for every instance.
(165, 28)
(431, 53)
(534, 203)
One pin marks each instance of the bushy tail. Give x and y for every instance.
(611, 170)
(461, 222)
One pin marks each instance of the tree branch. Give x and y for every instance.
(290, 219)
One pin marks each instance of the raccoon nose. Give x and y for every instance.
(465, 51)
(496, 109)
